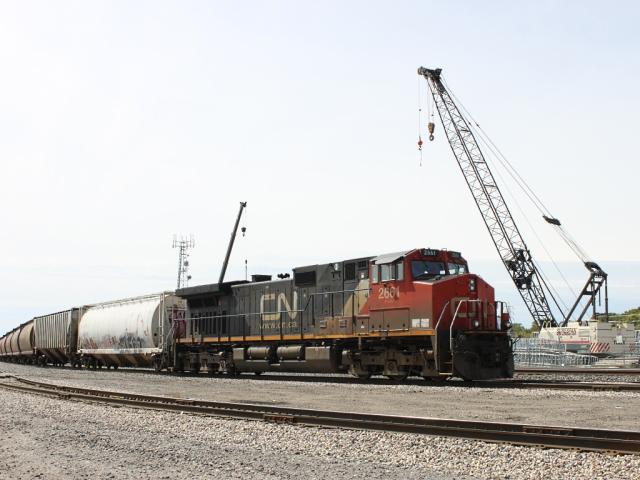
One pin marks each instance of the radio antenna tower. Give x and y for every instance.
(183, 245)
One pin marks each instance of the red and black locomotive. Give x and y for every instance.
(417, 312)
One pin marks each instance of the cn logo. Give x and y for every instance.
(282, 302)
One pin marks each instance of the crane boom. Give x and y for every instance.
(231, 240)
(496, 215)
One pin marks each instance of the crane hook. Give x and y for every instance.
(419, 143)
(431, 127)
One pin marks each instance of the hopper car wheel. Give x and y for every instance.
(157, 365)
(257, 373)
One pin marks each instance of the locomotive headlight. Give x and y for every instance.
(476, 324)
(472, 285)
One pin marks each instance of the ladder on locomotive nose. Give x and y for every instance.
(436, 346)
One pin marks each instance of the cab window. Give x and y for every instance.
(400, 271)
(374, 273)
(425, 270)
(385, 272)
(456, 269)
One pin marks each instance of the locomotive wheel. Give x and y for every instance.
(400, 377)
(436, 379)
(358, 372)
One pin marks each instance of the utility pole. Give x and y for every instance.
(183, 245)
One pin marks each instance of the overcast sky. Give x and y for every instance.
(124, 122)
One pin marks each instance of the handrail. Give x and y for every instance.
(455, 317)
(436, 356)
(310, 299)
(441, 314)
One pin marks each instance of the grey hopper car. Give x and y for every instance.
(56, 338)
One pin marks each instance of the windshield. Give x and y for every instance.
(422, 269)
(455, 269)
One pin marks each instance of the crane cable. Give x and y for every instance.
(420, 119)
(492, 148)
(527, 219)
(503, 159)
(554, 293)
(535, 199)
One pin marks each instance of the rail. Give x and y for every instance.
(585, 439)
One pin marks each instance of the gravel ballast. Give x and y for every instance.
(596, 409)
(54, 439)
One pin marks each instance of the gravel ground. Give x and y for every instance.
(594, 377)
(540, 406)
(55, 439)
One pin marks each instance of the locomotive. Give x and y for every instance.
(418, 312)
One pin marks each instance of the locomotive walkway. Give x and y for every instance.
(584, 439)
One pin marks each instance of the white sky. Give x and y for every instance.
(122, 123)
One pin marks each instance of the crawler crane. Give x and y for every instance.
(513, 251)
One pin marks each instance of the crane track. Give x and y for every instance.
(546, 436)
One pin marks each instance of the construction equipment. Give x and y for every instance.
(231, 240)
(515, 254)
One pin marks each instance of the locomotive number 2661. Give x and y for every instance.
(386, 293)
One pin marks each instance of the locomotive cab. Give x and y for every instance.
(430, 292)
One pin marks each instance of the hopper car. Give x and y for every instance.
(417, 312)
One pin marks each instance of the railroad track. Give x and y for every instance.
(346, 379)
(580, 371)
(584, 439)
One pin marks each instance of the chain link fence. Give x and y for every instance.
(534, 352)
